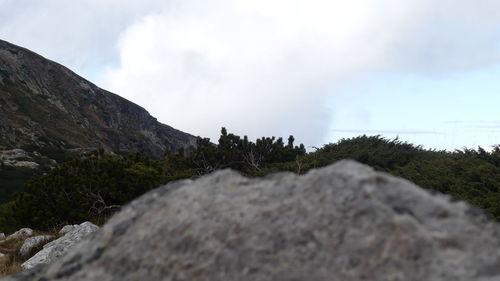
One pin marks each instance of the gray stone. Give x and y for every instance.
(343, 222)
(33, 242)
(2, 235)
(23, 232)
(13, 154)
(53, 250)
(67, 228)
(2, 255)
(26, 164)
(18, 158)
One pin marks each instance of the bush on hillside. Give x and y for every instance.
(96, 186)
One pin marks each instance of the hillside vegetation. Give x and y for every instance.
(94, 187)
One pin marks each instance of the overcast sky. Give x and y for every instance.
(424, 70)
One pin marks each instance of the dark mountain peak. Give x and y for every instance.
(44, 104)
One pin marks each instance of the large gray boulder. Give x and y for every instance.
(53, 250)
(343, 222)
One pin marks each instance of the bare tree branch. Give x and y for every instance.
(253, 159)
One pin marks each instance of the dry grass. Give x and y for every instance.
(9, 266)
(11, 263)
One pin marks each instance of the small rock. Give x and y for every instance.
(23, 232)
(13, 154)
(53, 250)
(67, 228)
(33, 242)
(26, 164)
(2, 255)
(2, 235)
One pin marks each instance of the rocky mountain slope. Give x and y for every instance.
(342, 222)
(44, 106)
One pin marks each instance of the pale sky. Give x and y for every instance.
(424, 70)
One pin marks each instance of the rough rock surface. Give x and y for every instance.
(23, 232)
(53, 250)
(33, 242)
(2, 235)
(343, 222)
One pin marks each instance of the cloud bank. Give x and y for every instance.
(78, 34)
(257, 67)
(267, 67)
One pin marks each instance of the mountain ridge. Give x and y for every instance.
(48, 112)
(45, 104)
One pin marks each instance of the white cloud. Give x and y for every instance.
(266, 67)
(261, 67)
(78, 34)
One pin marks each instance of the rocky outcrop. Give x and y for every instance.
(32, 242)
(21, 158)
(343, 222)
(53, 250)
